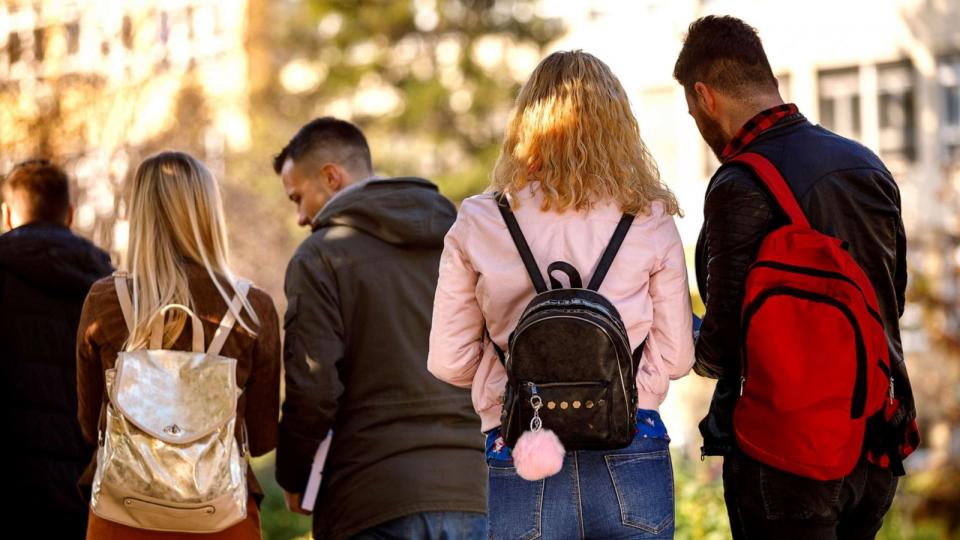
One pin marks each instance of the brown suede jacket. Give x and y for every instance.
(102, 332)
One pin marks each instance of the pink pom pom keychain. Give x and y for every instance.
(538, 452)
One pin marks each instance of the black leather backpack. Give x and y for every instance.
(569, 356)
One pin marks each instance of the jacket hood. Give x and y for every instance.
(405, 211)
(53, 258)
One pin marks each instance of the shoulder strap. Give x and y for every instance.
(518, 240)
(500, 354)
(608, 254)
(229, 319)
(775, 183)
(123, 294)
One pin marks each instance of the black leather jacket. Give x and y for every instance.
(845, 191)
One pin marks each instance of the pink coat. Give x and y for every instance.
(483, 280)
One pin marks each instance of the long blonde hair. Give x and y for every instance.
(572, 132)
(175, 215)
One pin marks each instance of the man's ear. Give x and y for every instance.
(68, 220)
(706, 98)
(5, 211)
(333, 176)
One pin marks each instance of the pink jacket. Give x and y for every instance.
(483, 281)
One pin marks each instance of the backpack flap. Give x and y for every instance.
(175, 396)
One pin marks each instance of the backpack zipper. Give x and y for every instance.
(534, 385)
(584, 306)
(859, 398)
(816, 272)
(528, 324)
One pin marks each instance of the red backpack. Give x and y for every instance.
(814, 359)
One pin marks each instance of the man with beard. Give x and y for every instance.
(406, 457)
(846, 192)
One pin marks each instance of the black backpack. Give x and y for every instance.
(570, 356)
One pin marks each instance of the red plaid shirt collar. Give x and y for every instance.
(755, 126)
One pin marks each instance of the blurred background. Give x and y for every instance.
(97, 85)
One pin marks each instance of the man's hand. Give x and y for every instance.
(293, 502)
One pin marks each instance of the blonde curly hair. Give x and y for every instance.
(573, 133)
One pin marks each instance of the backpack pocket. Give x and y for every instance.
(578, 412)
(803, 393)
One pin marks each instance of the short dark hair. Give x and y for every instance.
(726, 53)
(43, 190)
(345, 140)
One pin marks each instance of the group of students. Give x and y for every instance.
(401, 328)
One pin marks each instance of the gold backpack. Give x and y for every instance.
(168, 458)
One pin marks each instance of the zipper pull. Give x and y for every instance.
(743, 381)
(890, 391)
(536, 423)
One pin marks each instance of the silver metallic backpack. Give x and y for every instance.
(168, 458)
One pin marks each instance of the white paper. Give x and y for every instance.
(316, 475)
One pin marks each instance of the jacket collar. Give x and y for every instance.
(756, 126)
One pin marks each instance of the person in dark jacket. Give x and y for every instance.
(845, 191)
(45, 273)
(407, 457)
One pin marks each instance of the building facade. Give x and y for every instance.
(100, 84)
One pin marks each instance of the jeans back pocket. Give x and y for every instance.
(516, 505)
(644, 486)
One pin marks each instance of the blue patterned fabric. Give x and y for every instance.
(649, 426)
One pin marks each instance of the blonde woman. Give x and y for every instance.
(178, 255)
(572, 164)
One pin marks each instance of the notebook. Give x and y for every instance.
(316, 474)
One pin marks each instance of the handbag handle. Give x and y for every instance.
(156, 328)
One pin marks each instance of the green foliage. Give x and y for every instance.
(431, 108)
(275, 521)
(701, 512)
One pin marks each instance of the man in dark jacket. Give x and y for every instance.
(846, 192)
(406, 459)
(45, 273)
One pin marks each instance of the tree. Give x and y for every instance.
(431, 84)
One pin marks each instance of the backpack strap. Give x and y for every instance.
(123, 294)
(229, 319)
(500, 354)
(518, 240)
(156, 327)
(608, 254)
(776, 185)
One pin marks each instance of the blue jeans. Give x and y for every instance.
(430, 526)
(625, 493)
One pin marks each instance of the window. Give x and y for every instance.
(14, 47)
(127, 32)
(73, 37)
(839, 91)
(163, 29)
(896, 114)
(39, 42)
(783, 84)
(948, 77)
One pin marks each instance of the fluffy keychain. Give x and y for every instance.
(538, 452)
